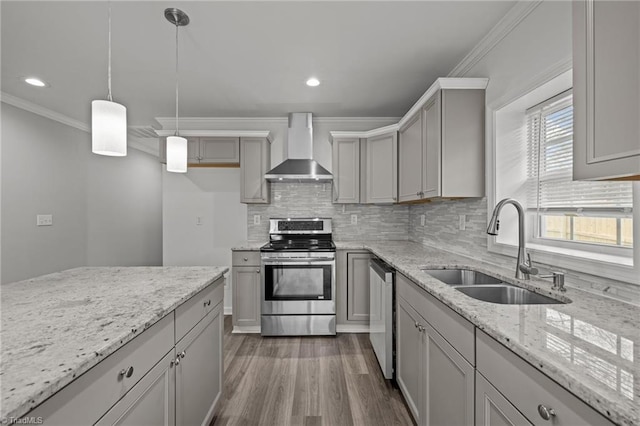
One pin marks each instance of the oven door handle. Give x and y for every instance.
(317, 261)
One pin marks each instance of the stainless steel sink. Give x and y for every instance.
(506, 295)
(461, 277)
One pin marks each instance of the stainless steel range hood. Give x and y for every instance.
(299, 165)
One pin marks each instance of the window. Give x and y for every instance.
(573, 213)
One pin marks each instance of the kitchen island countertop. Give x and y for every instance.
(57, 326)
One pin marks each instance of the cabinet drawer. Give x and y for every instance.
(245, 258)
(459, 332)
(193, 310)
(87, 398)
(526, 387)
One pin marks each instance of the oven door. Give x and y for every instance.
(298, 286)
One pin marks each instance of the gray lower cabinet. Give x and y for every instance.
(493, 409)
(199, 370)
(437, 382)
(246, 291)
(255, 161)
(352, 290)
(150, 402)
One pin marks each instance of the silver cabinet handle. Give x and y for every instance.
(546, 413)
(246, 259)
(420, 328)
(178, 360)
(207, 303)
(257, 271)
(183, 354)
(415, 324)
(126, 372)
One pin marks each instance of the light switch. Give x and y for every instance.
(422, 219)
(354, 219)
(256, 219)
(198, 220)
(44, 220)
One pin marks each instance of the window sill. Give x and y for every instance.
(598, 264)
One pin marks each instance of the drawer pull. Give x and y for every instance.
(207, 303)
(126, 372)
(420, 328)
(546, 413)
(183, 354)
(178, 360)
(416, 324)
(257, 271)
(246, 259)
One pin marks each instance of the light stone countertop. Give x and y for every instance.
(590, 346)
(248, 246)
(57, 326)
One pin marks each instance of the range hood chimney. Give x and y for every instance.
(299, 165)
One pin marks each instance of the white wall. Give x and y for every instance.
(106, 211)
(124, 210)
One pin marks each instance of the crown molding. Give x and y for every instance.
(443, 83)
(43, 112)
(218, 133)
(191, 123)
(364, 135)
(514, 16)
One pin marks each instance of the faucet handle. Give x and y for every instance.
(532, 270)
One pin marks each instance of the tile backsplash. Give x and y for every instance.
(441, 230)
(375, 222)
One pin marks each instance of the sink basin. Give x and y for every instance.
(506, 295)
(461, 277)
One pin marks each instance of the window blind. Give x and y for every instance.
(550, 165)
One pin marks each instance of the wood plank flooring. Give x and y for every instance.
(309, 381)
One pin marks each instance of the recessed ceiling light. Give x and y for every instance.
(35, 82)
(313, 82)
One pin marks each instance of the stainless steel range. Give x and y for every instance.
(298, 278)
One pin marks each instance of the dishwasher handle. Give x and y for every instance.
(384, 271)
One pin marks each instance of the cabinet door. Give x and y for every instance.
(381, 176)
(433, 139)
(449, 382)
(346, 170)
(193, 150)
(410, 160)
(199, 372)
(408, 356)
(246, 296)
(255, 160)
(150, 402)
(358, 286)
(222, 151)
(493, 409)
(606, 89)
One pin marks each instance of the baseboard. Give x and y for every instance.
(352, 328)
(245, 330)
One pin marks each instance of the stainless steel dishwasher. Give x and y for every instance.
(381, 314)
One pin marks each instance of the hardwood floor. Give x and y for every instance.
(332, 381)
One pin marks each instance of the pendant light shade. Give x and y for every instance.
(176, 154)
(176, 145)
(108, 119)
(108, 128)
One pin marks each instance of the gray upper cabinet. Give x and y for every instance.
(379, 174)
(606, 90)
(441, 148)
(255, 161)
(208, 151)
(410, 159)
(346, 170)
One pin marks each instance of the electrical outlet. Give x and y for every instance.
(354, 219)
(198, 220)
(44, 220)
(422, 219)
(256, 219)
(462, 222)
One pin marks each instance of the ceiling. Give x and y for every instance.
(239, 58)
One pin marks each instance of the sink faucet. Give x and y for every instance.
(524, 268)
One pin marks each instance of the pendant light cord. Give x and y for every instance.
(177, 81)
(109, 97)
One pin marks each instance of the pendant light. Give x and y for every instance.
(176, 145)
(108, 120)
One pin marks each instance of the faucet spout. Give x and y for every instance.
(524, 267)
